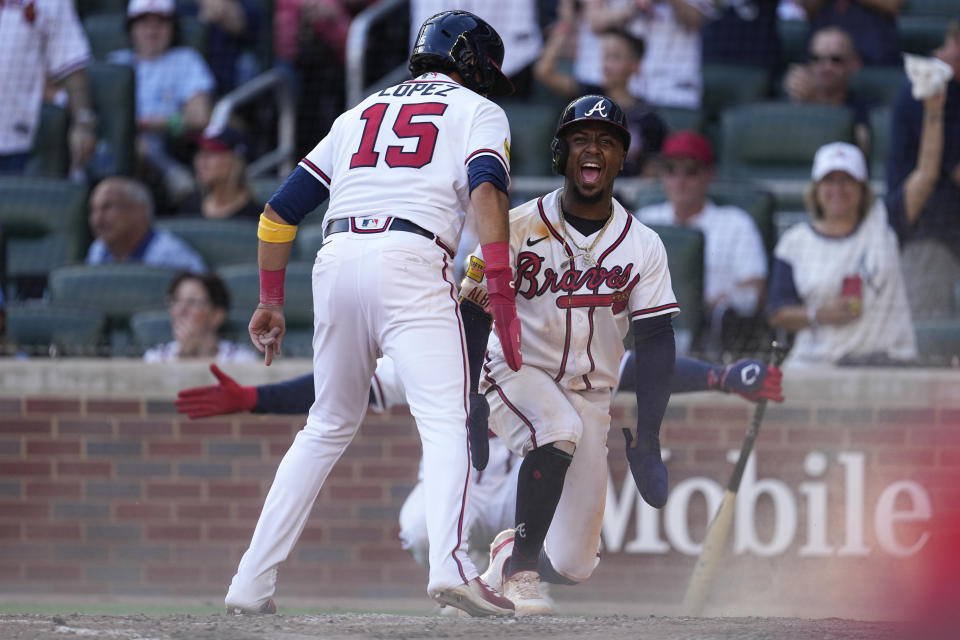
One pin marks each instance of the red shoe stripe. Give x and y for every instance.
(500, 546)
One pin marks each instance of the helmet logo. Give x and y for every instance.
(600, 108)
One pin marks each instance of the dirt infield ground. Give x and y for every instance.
(375, 625)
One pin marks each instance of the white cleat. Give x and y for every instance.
(477, 599)
(500, 551)
(523, 588)
(267, 608)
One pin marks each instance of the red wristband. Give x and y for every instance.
(496, 254)
(271, 287)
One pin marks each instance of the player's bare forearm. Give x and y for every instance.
(274, 256)
(491, 207)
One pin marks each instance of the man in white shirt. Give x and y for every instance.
(734, 261)
(42, 39)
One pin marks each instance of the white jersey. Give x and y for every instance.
(574, 318)
(819, 264)
(39, 39)
(733, 251)
(403, 153)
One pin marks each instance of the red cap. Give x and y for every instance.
(688, 144)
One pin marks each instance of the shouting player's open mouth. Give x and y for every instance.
(590, 173)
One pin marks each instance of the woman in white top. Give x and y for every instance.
(198, 308)
(836, 280)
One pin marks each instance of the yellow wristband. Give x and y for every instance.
(270, 231)
(475, 270)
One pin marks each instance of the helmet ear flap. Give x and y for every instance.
(559, 148)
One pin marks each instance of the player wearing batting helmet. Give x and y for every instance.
(401, 170)
(587, 270)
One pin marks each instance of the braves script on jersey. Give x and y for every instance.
(576, 306)
(429, 122)
(579, 314)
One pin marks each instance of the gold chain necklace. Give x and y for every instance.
(585, 252)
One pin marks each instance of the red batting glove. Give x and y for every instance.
(216, 400)
(503, 305)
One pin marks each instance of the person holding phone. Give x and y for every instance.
(836, 279)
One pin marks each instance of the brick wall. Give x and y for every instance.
(110, 492)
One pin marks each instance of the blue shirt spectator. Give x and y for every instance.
(874, 31)
(121, 219)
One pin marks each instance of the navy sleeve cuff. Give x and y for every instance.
(487, 169)
(299, 194)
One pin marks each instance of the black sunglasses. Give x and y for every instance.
(831, 59)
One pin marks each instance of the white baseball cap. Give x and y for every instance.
(839, 156)
(138, 8)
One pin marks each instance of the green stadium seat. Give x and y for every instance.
(243, 282)
(879, 141)
(90, 7)
(726, 85)
(793, 39)
(880, 85)
(532, 126)
(119, 290)
(43, 225)
(297, 343)
(777, 140)
(70, 330)
(108, 32)
(938, 339)
(308, 242)
(751, 197)
(685, 259)
(112, 89)
(921, 34)
(150, 328)
(942, 8)
(219, 242)
(50, 155)
(265, 187)
(681, 118)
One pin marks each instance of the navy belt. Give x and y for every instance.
(342, 225)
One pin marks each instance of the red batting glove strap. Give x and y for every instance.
(503, 306)
(271, 287)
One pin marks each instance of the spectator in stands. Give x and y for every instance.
(121, 220)
(173, 92)
(735, 262)
(671, 31)
(836, 279)
(923, 187)
(198, 309)
(622, 55)
(825, 79)
(220, 167)
(743, 32)
(233, 27)
(515, 20)
(40, 39)
(310, 39)
(871, 23)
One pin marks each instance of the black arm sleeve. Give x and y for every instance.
(476, 327)
(655, 361)
(290, 396)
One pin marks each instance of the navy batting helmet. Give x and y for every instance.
(583, 109)
(460, 41)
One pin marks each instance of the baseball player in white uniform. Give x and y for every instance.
(402, 169)
(586, 270)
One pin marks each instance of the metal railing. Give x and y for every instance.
(358, 85)
(277, 83)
